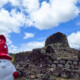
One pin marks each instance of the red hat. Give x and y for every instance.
(4, 49)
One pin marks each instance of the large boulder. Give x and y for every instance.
(57, 38)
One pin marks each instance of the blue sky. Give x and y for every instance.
(27, 23)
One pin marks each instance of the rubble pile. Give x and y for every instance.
(55, 58)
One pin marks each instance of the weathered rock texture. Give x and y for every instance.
(57, 38)
(56, 58)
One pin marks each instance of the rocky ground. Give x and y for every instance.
(56, 58)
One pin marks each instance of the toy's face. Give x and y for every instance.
(4, 63)
(6, 67)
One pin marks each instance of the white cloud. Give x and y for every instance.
(26, 47)
(11, 22)
(46, 16)
(53, 13)
(3, 2)
(31, 45)
(28, 35)
(30, 5)
(13, 49)
(15, 2)
(74, 40)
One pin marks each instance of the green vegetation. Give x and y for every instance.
(59, 78)
(13, 57)
(21, 79)
(64, 79)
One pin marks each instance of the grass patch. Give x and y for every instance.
(64, 79)
(13, 57)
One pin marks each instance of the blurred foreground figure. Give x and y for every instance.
(7, 69)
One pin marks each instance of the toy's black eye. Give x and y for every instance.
(0, 61)
(4, 61)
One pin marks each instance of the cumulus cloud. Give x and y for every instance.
(46, 15)
(14, 20)
(40, 15)
(13, 49)
(11, 22)
(53, 13)
(26, 47)
(74, 40)
(31, 45)
(28, 35)
(3, 2)
(15, 2)
(30, 5)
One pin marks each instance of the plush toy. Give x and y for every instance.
(7, 69)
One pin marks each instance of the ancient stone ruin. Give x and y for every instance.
(57, 38)
(55, 58)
